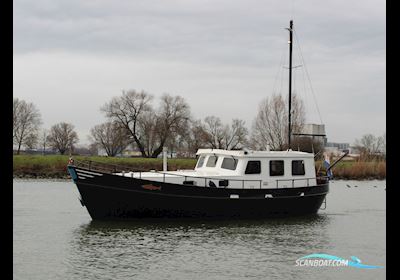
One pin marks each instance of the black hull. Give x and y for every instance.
(108, 196)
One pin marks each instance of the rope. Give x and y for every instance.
(279, 71)
(308, 76)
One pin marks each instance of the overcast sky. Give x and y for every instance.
(223, 57)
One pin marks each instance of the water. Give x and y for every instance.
(54, 238)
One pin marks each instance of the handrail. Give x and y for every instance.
(302, 179)
(90, 163)
(112, 168)
(202, 177)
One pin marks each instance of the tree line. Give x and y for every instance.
(26, 130)
(134, 120)
(371, 146)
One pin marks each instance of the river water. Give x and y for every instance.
(54, 238)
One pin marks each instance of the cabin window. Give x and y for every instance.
(298, 167)
(229, 163)
(212, 161)
(276, 168)
(253, 167)
(200, 162)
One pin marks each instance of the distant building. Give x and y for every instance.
(340, 146)
(315, 131)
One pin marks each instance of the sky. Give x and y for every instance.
(224, 57)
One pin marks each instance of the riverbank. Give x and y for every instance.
(55, 166)
(360, 170)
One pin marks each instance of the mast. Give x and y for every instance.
(290, 79)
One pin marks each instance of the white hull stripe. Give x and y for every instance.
(88, 172)
(85, 175)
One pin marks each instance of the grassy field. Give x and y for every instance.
(55, 166)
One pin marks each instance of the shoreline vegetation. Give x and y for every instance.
(55, 166)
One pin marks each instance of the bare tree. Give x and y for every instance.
(370, 146)
(62, 137)
(93, 149)
(383, 140)
(43, 140)
(298, 117)
(150, 129)
(127, 110)
(26, 122)
(147, 128)
(110, 136)
(195, 137)
(307, 144)
(270, 127)
(235, 136)
(171, 121)
(214, 134)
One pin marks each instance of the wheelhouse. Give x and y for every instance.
(282, 168)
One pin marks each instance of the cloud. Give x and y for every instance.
(222, 56)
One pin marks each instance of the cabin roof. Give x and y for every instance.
(249, 153)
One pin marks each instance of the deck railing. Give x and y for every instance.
(292, 181)
(114, 168)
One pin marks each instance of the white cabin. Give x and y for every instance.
(242, 169)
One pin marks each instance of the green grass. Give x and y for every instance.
(55, 166)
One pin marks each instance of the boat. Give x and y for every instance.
(223, 184)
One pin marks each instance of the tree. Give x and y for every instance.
(307, 144)
(170, 121)
(26, 122)
(195, 137)
(127, 110)
(62, 137)
(216, 135)
(235, 136)
(219, 136)
(371, 146)
(149, 129)
(383, 143)
(93, 149)
(110, 136)
(270, 127)
(214, 132)
(43, 140)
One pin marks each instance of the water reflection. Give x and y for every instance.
(186, 247)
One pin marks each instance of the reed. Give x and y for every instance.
(360, 170)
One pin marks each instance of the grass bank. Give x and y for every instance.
(55, 166)
(360, 170)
